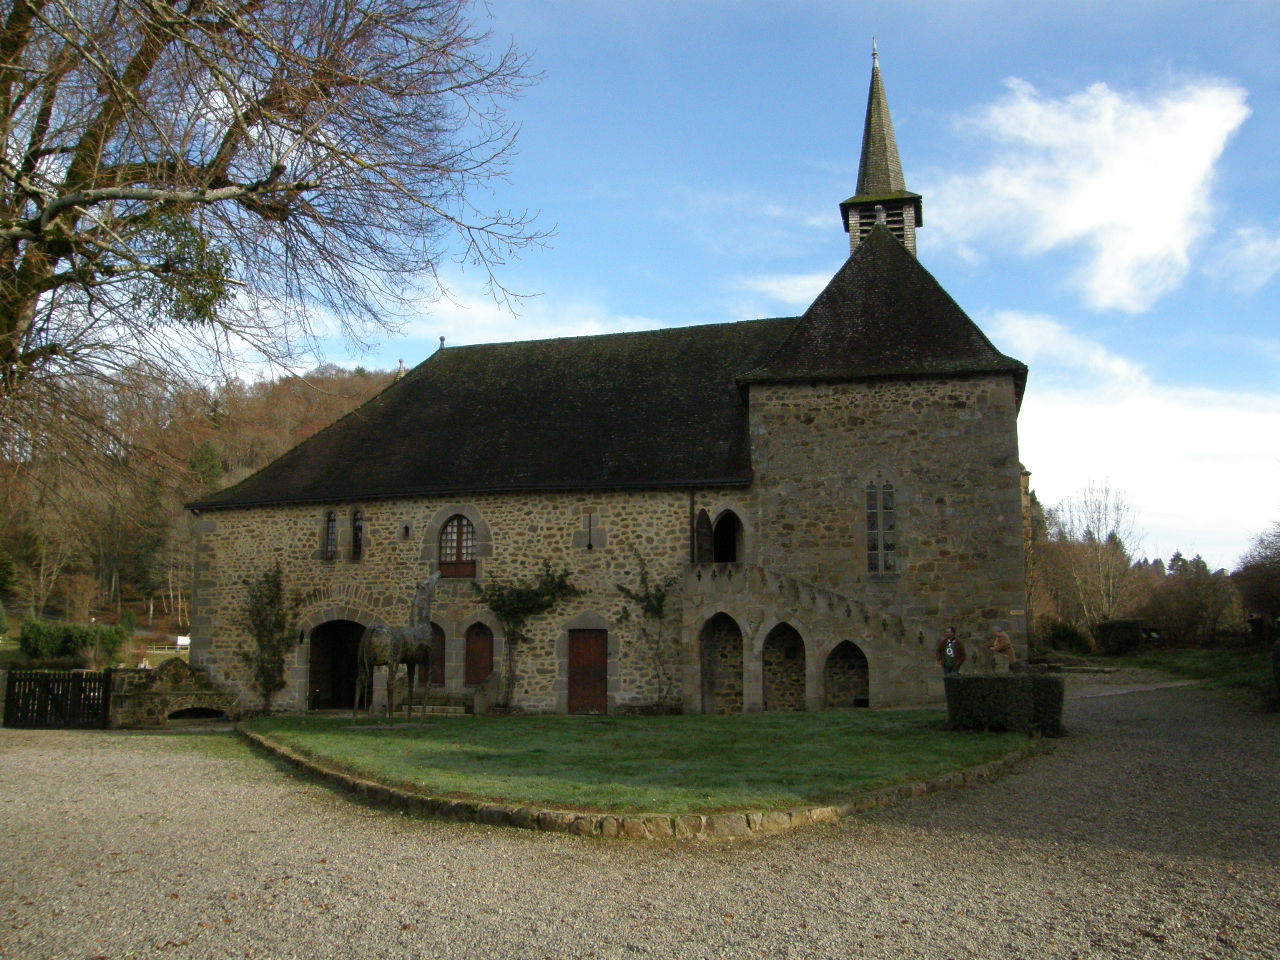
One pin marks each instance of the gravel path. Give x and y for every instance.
(1152, 831)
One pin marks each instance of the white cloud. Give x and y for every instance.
(791, 289)
(1124, 177)
(1197, 464)
(1251, 260)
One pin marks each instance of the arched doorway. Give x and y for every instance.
(782, 662)
(846, 675)
(727, 538)
(479, 655)
(721, 649)
(334, 665)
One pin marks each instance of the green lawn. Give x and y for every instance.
(1244, 669)
(679, 764)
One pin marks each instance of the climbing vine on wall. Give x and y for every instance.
(650, 597)
(515, 603)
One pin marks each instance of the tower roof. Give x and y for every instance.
(880, 168)
(883, 315)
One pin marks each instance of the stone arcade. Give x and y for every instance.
(821, 495)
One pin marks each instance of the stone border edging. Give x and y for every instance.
(651, 826)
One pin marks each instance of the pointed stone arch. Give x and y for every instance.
(720, 643)
(846, 677)
(782, 667)
(728, 538)
(703, 538)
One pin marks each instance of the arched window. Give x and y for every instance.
(458, 548)
(330, 550)
(727, 538)
(882, 529)
(703, 538)
(357, 536)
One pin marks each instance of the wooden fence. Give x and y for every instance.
(57, 698)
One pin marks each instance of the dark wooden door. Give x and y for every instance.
(588, 671)
(479, 654)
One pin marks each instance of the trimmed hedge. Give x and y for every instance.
(1014, 702)
(44, 640)
(1047, 694)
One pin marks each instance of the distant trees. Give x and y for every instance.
(1190, 602)
(90, 540)
(1082, 557)
(1258, 580)
(1082, 573)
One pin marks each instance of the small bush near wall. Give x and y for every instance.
(43, 642)
(993, 702)
(1118, 636)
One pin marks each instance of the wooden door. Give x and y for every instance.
(588, 671)
(479, 662)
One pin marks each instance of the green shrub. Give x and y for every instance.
(42, 640)
(128, 622)
(1061, 635)
(1118, 636)
(995, 702)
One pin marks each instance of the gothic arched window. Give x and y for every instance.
(882, 529)
(357, 536)
(330, 549)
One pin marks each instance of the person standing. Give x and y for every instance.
(950, 652)
(1002, 650)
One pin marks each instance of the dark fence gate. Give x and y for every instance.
(57, 698)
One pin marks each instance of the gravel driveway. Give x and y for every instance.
(1152, 831)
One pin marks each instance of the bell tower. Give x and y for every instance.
(882, 195)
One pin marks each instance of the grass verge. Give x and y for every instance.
(1244, 670)
(679, 764)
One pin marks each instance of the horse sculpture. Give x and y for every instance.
(391, 646)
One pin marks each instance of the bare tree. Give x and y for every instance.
(185, 183)
(1087, 556)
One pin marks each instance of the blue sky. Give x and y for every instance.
(1101, 195)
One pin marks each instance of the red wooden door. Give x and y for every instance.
(588, 671)
(479, 654)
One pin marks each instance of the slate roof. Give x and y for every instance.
(883, 315)
(652, 409)
(663, 408)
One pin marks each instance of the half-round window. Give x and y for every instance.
(458, 548)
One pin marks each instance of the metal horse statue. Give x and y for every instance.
(391, 646)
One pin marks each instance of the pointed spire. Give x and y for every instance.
(882, 189)
(880, 170)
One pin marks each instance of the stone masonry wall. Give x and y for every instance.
(602, 538)
(950, 449)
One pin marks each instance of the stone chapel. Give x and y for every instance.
(814, 499)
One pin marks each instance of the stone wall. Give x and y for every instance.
(603, 539)
(950, 450)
